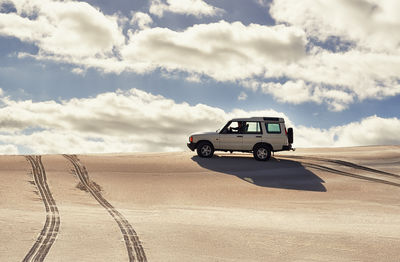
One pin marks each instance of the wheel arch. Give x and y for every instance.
(205, 141)
(263, 144)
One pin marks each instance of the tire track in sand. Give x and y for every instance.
(308, 161)
(52, 225)
(132, 242)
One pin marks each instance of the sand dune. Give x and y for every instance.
(324, 204)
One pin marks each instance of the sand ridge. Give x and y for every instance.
(310, 205)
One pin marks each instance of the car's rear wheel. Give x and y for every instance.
(262, 152)
(205, 149)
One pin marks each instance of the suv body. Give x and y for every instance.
(260, 135)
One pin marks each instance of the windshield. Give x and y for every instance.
(222, 127)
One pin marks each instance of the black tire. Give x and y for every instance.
(262, 152)
(205, 149)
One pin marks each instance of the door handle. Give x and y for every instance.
(239, 136)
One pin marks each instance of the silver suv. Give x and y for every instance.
(260, 135)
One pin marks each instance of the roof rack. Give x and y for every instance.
(271, 118)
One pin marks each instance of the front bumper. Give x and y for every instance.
(192, 146)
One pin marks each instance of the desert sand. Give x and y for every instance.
(321, 204)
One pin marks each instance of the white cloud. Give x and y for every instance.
(291, 92)
(368, 75)
(253, 85)
(372, 130)
(300, 92)
(70, 29)
(111, 122)
(131, 121)
(263, 3)
(194, 78)
(224, 51)
(197, 8)
(8, 150)
(242, 96)
(313, 137)
(369, 131)
(136, 121)
(80, 34)
(368, 68)
(142, 20)
(218, 50)
(372, 24)
(78, 71)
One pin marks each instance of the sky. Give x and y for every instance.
(141, 76)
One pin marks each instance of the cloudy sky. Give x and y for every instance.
(140, 76)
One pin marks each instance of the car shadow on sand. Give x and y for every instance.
(275, 173)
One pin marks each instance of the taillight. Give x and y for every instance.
(285, 131)
(191, 139)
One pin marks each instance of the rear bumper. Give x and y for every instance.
(287, 148)
(192, 146)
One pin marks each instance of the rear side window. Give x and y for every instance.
(253, 128)
(273, 128)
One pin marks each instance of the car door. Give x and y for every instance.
(274, 135)
(252, 134)
(230, 138)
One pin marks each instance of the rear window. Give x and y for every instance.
(273, 128)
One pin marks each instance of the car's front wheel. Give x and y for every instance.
(262, 153)
(205, 149)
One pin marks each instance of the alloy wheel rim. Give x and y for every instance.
(262, 153)
(206, 150)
